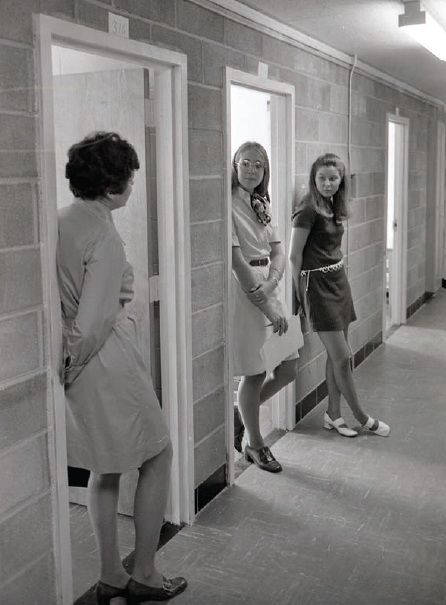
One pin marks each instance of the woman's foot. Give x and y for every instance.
(339, 425)
(139, 593)
(377, 426)
(105, 593)
(239, 430)
(263, 459)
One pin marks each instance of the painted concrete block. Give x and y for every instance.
(206, 199)
(209, 414)
(312, 93)
(307, 124)
(205, 153)
(179, 42)
(23, 410)
(155, 10)
(20, 350)
(26, 536)
(17, 211)
(207, 243)
(243, 38)
(208, 373)
(205, 111)
(210, 455)
(16, 76)
(207, 286)
(339, 99)
(333, 129)
(16, 23)
(278, 52)
(21, 279)
(17, 142)
(92, 15)
(207, 329)
(200, 21)
(216, 58)
(139, 30)
(24, 473)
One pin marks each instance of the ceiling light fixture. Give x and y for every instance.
(424, 28)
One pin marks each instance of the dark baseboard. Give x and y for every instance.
(413, 308)
(311, 400)
(211, 487)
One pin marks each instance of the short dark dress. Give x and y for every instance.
(326, 298)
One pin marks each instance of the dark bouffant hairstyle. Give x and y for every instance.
(340, 198)
(101, 163)
(262, 188)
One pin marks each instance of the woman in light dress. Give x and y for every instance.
(114, 420)
(258, 264)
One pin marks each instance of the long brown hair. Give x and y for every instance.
(262, 188)
(340, 198)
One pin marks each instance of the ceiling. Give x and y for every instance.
(368, 29)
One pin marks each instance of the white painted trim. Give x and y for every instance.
(400, 314)
(283, 412)
(171, 71)
(240, 13)
(55, 395)
(439, 203)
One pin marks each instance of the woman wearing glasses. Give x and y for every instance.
(258, 263)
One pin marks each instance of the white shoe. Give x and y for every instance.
(383, 430)
(339, 425)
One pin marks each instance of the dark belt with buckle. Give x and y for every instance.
(259, 262)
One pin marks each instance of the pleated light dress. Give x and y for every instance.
(250, 325)
(114, 420)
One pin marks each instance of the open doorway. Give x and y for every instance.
(91, 80)
(395, 258)
(262, 110)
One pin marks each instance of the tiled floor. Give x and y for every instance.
(349, 521)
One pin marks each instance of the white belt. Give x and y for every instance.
(327, 269)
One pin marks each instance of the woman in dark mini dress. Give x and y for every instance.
(322, 286)
(114, 421)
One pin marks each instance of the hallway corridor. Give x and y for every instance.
(349, 521)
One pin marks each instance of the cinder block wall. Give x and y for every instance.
(211, 41)
(27, 568)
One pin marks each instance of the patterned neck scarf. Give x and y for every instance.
(260, 205)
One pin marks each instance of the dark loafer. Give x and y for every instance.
(263, 459)
(138, 593)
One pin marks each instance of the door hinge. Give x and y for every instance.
(154, 288)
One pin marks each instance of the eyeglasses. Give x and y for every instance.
(248, 165)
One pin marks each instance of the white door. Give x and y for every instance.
(395, 257)
(111, 100)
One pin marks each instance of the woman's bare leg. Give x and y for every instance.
(150, 505)
(248, 399)
(334, 394)
(102, 496)
(285, 373)
(339, 353)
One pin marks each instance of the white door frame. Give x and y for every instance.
(399, 313)
(174, 261)
(284, 411)
(439, 203)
